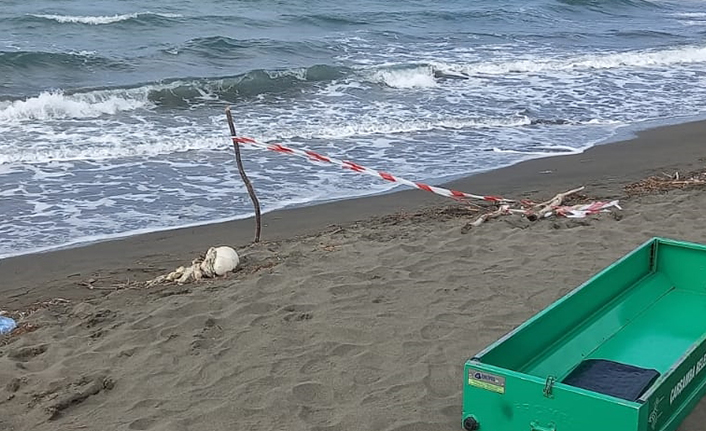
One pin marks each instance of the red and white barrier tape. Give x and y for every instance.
(313, 156)
(581, 211)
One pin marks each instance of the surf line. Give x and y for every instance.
(316, 157)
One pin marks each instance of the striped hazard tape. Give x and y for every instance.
(345, 164)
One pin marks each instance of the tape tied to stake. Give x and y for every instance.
(345, 164)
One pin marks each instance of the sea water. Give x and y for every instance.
(112, 113)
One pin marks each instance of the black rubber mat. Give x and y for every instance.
(612, 378)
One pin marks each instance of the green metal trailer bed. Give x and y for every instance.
(625, 351)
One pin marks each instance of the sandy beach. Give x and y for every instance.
(353, 315)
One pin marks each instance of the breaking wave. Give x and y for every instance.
(179, 93)
(57, 105)
(22, 60)
(100, 20)
(654, 58)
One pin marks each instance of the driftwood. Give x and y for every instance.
(248, 185)
(541, 210)
(535, 211)
(667, 182)
(504, 209)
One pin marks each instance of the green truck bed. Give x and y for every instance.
(625, 351)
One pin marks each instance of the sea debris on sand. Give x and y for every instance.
(557, 206)
(217, 262)
(666, 182)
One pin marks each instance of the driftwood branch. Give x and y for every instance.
(540, 210)
(249, 186)
(504, 209)
(528, 209)
(667, 182)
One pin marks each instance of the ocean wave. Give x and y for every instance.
(100, 20)
(429, 75)
(602, 5)
(539, 150)
(216, 44)
(253, 83)
(690, 15)
(405, 77)
(169, 94)
(230, 48)
(123, 145)
(391, 17)
(631, 59)
(180, 93)
(392, 126)
(188, 92)
(57, 105)
(22, 60)
(110, 147)
(323, 20)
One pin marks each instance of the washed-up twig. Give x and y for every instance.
(504, 209)
(666, 182)
(540, 210)
(535, 211)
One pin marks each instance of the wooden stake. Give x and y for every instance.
(249, 186)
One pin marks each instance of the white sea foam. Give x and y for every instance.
(655, 58)
(690, 15)
(105, 147)
(98, 20)
(57, 105)
(125, 142)
(83, 53)
(390, 125)
(419, 77)
(554, 150)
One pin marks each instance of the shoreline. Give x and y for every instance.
(602, 168)
(621, 134)
(351, 315)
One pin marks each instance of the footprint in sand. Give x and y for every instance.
(414, 351)
(317, 416)
(441, 380)
(24, 354)
(206, 337)
(141, 424)
(439, 328)
(315, 366)
(257, 308)
(312, 393)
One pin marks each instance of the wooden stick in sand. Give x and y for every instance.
(249, 186)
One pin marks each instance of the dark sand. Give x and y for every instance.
(602, 169)
(354, 315)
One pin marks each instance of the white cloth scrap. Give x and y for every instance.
(582, 211)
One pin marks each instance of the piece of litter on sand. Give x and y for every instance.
(7, 325)
(217, 262)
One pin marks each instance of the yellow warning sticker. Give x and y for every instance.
(487, 381)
